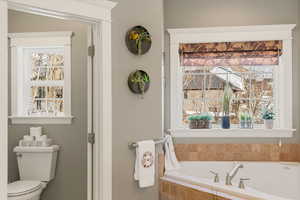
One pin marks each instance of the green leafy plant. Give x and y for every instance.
(141, 79)
(242, 117)
(206, 117)
(227, 96)
(200, 121)
(245, 117)
(248, 118)
(268, 114)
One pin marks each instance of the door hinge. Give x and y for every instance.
(91, 50)
(91, 138)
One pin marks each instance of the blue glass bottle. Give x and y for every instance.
(226, 122)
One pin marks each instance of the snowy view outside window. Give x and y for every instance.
(248, 67)
(45, 78)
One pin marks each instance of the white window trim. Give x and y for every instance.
(39, 39)
(234, 34)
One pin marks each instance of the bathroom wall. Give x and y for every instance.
(203, 13)
(71, 174)
(135, 118)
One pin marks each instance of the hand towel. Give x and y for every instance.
(171, 162)
(145, 163)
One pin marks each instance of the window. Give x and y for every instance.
(255, 61)
(41, 77)
(247, 67)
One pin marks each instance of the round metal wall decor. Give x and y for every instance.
(138, 40)
(139, 82)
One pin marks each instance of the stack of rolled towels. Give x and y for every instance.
(35, 138)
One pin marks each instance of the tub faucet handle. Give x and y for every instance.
(216, 177)
(242, 184)
(228, 179)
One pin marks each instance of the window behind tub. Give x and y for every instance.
(247, 67)
(254, 61)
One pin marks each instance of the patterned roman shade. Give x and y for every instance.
(231, 53)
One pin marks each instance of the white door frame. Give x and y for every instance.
(98, 13)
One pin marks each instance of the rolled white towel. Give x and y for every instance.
(36, 131)
(47, 143)
(26, 143)
(41, 138)
(28, 138)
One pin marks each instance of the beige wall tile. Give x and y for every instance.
(238, 152)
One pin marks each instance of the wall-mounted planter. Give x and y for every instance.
(138, 40)
(139, 82)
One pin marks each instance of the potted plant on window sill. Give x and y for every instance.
(226, 106)
(268, 116)
(246, 121)
(202, 121)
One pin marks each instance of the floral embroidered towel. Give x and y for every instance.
(145, 164)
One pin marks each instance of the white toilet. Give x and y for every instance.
(36, 168)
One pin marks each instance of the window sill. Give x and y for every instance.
(41, 120)
(232, 133)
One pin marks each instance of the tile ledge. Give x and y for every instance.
(41, 119)
(232, 133)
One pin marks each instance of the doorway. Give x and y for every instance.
(99, 101)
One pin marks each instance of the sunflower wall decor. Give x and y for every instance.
(138, 40)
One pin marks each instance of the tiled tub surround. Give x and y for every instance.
(274, 171)
(269, 180)
(170, 190)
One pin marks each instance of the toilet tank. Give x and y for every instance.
(37, 163)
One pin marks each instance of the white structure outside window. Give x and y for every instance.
(206, 78)
(41, 77)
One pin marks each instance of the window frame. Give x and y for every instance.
(19, 41)
(283, 76)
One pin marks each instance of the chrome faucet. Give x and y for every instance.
(232, 173)
(216, 176)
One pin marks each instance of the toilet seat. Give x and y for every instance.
(19, 188)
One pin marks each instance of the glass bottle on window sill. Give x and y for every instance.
(246, 121)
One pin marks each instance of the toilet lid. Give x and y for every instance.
(22, 187)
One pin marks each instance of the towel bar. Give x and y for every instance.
(134, 145)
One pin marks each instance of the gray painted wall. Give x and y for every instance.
(209, 13)
(135, 118)
(71, 174)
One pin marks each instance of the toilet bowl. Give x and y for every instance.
(36, 168)
(25, 190)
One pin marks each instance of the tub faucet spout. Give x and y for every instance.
(232, 173)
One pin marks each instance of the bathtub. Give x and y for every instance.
(269, 180)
